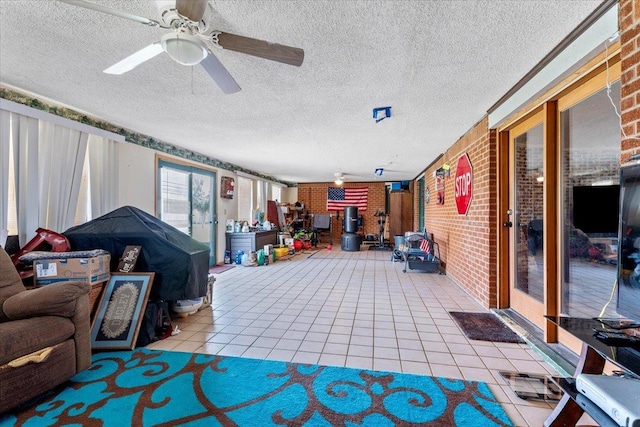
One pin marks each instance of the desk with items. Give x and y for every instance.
(601, 344)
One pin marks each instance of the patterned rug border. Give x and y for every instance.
(167, 388)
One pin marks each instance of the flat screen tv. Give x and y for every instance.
(595, 208)
(628, 303)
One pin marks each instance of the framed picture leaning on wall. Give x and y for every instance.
(121, 311)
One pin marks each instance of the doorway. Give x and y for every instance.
(186, 200)
(526, 225)
(558, 164)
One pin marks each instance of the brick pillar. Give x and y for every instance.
(629, 24)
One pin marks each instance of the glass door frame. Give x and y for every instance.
(190, 168)
(509, 297)
(575, 87)
(528, 306)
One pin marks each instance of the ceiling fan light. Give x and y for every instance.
(183, 48)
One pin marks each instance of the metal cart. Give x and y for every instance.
(416, 259)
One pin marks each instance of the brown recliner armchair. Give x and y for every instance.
(44, 335)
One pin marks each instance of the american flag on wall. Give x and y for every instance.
(338, 198)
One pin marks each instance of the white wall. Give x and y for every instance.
(137, 177)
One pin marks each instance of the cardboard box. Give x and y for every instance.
(93, 270)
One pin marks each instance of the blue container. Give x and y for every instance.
(227, 256)
(239, 257)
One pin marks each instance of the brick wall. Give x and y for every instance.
(467, 243)
(314, 197)
(629, 23)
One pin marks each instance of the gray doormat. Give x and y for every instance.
(485, 327)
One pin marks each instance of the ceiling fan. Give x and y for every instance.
(190, 41)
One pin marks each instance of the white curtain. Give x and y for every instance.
(48, 158)
(5, 140)
(103, 181)
(262, 195)
(24, 139)
(62, 152)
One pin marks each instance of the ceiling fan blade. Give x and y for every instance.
(219, 74)
(110, 11)
(193, 10)
(132, 61)
(263, 49)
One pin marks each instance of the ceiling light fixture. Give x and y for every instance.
(339, 178)
(184, 48)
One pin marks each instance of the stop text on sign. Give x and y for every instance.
(463, 184)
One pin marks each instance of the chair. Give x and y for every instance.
(421, 252)
(321, 223)
(44, 335)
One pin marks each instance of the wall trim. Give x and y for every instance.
(32, 101)
(28, 111)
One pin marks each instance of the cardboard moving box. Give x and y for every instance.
(92, 269)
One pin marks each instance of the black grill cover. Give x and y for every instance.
(180, 263)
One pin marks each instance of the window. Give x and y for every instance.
(175, 206)
(12, 215)
(245, 198)
(276, 193)
(590, 138)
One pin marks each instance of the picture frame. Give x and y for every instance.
(121, 311)
(227, 187)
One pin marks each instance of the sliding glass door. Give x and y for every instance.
(590, 137)
(186, 200)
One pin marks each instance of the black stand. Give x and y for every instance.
(382, 219)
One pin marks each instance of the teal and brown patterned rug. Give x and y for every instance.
(164, 388)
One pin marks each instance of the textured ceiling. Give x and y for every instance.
(439, 64)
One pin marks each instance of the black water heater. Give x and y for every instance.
(351, 219)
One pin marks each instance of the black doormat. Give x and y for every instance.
(485, 327)
(380, 248)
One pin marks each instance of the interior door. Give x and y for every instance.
(526, 201)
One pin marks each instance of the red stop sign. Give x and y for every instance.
(463, 184)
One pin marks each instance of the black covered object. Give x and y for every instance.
(351, 219)
(180, 263)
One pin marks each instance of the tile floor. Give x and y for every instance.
(355, 309)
